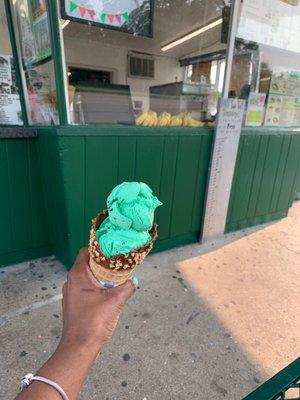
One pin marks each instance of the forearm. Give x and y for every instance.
(68, 367)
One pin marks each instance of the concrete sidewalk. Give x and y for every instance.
(209, 322)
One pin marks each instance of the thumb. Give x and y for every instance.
(123, 292)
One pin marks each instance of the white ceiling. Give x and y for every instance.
(172, 19)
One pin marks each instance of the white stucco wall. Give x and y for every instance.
(92, 54)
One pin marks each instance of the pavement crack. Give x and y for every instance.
(191, 317)
(15, 313)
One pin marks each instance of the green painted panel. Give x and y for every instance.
(258, 173)
(101, 173)
(201, 182)
(148, 165)
(18, 176)
(254, 221)
(189, 150)
(272, 162)
(279, 172)
(52, 181)
(23, 232)
(5, 209)
(265, 180)
(296, 184)
(289, 176)
(167, 186)
(72, 162)
(244, 177)
(126, 156)
(38, 220)
(18, 256)
(234, 181)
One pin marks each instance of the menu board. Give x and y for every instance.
(271, 22)
(255, 109)
(34, 31)
(10, 106)
(131, 16)
(284, 98)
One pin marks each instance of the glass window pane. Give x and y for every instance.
(266, 70)
(10, 106)
(32, 33)
(127, 58)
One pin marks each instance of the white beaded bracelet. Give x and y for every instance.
(29, 378)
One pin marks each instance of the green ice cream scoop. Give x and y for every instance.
(131, 207)
(114, 241)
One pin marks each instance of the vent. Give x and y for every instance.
(140, 66)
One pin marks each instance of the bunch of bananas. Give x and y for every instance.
(191, 122)
(164, 119)
(150, 118)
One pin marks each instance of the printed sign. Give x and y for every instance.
(131, 16)
(10, 106)
(271, 22)
(283, 100)
(34, 31)
(227, 137)
(255, 109)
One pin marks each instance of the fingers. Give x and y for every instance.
(81, 261)
(82, 258)
(123, 292)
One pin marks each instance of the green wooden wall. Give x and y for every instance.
(23, 229)
(265, 180)
(86, 163)
(52, 186)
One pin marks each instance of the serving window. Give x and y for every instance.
(144, 62)
(269, 78)
(32, 33)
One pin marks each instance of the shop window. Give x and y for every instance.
(10, 106)
(164, 58)
(266, 68)
(31, 26)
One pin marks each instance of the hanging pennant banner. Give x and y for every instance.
(130, 16)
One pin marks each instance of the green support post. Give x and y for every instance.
(58, 59)
(17, 61)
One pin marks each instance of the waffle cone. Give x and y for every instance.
(119, 268)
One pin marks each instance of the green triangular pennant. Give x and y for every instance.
(103, 17)
(73, 6)
(125, 16)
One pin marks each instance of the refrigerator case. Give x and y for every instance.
(183, 97)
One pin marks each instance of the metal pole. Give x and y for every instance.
(234, 20)
(18, 63)
(58, 55)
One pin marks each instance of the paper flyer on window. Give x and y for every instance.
(10, 106)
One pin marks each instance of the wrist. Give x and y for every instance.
(76, 344)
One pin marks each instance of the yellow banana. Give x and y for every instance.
(164, 119)
(153, 118)
(176, 121)
(146, 120)
(141, 118)
(194, 123)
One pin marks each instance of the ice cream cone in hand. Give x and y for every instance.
(122, 236)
